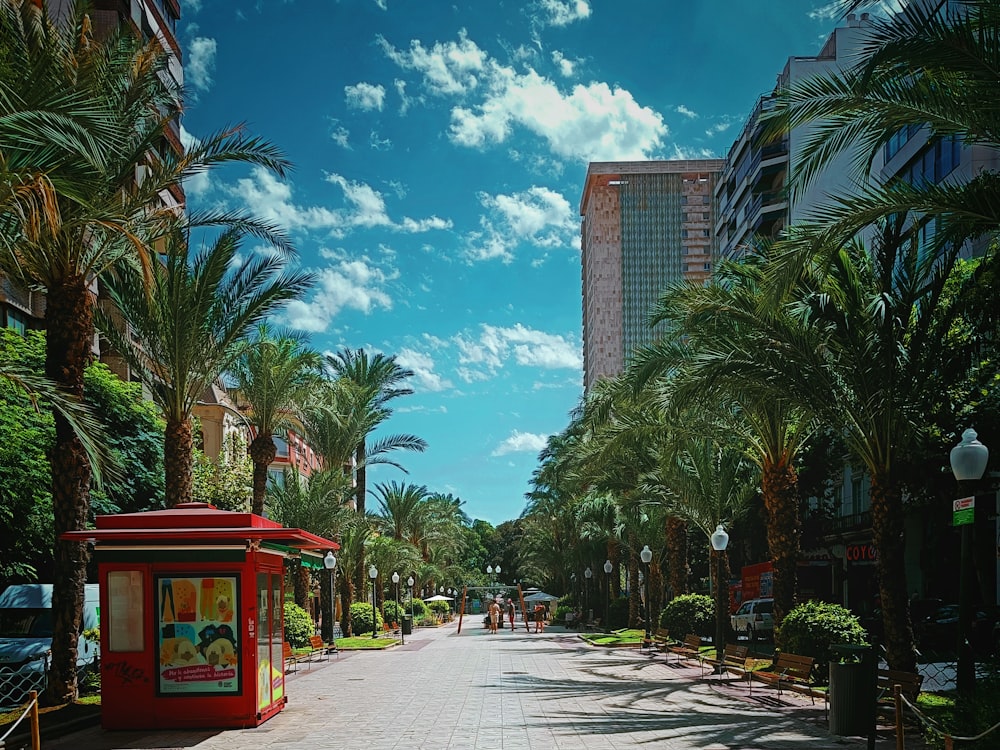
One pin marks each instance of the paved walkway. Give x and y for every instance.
(509, 691)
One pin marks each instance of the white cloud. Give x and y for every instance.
(540, 216)
(687, 153)
(192, 6)
(449, 68)
(566, 66)
(423, 369)
(378, 143)
(347, 283)
(564, 12)
(341, 136)
(365, 96)
(720, 127)
(521, 442)
(591, 123)
(481, 357)
(383, 4)
(198, 184)
(682, 110)
(405, 101)
(200, 62)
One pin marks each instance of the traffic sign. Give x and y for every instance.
(963, 511)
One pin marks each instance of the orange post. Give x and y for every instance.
(461, 609)
(897, 697)
(524, 609)
(36, 734)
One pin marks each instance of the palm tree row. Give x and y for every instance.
(864, 322)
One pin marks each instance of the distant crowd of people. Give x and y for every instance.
(495, 613)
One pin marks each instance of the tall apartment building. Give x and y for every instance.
(24, 309)
(645, 225)
(753, 200)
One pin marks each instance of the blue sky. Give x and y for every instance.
(440, 150)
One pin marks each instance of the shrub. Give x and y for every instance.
(428, 619)
(561, 611)
(298, 625)
(361, 618)
(689, 613)
(419, 609)
(811, 628)
(441, 608)
(393, 612)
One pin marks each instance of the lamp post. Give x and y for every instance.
(968, 462)
(647, 557)
(395, 582)
(330, 563)
(587, 575)
(720, 540)
(373, 574)
(608, 567)
(409, 583)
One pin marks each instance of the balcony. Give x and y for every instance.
(846, 524)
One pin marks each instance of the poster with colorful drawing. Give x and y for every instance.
(198, 644)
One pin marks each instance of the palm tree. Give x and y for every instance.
(378, 380)
(185, 329)
(75, 210)
(273, 376)
(402, 509)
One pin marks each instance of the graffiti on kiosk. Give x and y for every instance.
(125, 672)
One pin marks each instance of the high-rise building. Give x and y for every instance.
(646, 224)
(24, 309)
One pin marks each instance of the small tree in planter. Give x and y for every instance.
(811, 628)
(298, 625)
(393, 612)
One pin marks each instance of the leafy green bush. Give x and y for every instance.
(440, 608)
(393, 612)
(361, 618)
(619, 614)
(298, 625)
(428, 619)
(561, 611)
(689, 613)
(419, 609)
(811, 628)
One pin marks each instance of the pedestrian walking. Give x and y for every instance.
(510, 612)
(494, 611)
(539, 617)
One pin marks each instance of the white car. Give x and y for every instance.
(754, 619)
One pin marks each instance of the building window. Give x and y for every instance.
(281, 446)
(17, 320)
(126, 623)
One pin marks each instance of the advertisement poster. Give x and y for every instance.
(198, 642)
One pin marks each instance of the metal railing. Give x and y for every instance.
(17, 684)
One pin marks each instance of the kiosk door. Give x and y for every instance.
(270, 636)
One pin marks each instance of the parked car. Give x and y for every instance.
(939, 632)
(754, 619)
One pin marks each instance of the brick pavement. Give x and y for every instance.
(509, 691)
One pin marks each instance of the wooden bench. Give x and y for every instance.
(909, 683)
(690, 647)
(787, 669)
(291, 658)
(734, 659)
(318, 647)
(661, 639)
(594, 624)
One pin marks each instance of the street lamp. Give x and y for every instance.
(330, 563)
(720, 540)
(647, 556)
(373, 574)
(608, 567)
(409, 583)
(968, 462)
(395, 582)
(587, 574)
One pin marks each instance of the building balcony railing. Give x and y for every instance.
(844, 524)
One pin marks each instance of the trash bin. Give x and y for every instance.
(407, 625)
(853, 671)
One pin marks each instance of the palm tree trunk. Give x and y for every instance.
(300, 584)
(780, 488)
(178, 456)
(346, 597)
(887, 533)
(262, 453)
(677, 556)
(655, 593)
(69, 320)
(634, 604)
(362, 475)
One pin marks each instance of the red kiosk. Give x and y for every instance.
(192, 619)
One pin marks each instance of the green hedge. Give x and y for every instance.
(393, 612)
(689, 613)
(441, 608)
(361, 618)
(811, 628)
(419, 609)
(298, 625)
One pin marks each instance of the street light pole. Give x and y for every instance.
(587, 574)
(608, 567)
(373, 574)
(395, 582)
(409, 582)
(968, 462)
(330, 563)
(720, 540)
(646, 556)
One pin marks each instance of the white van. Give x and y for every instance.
(26, 631)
